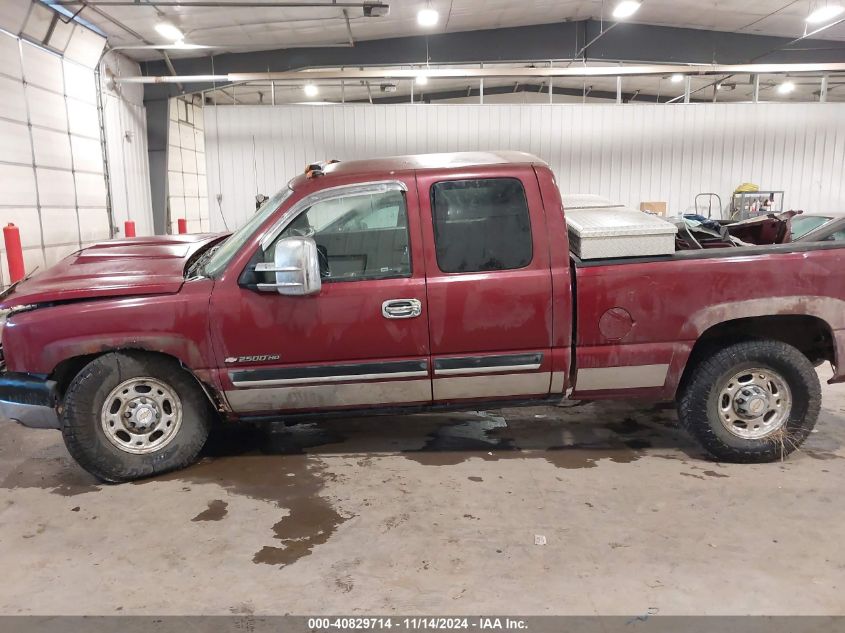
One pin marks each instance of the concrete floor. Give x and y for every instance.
(587, 509)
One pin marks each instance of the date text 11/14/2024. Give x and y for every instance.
(417, 623)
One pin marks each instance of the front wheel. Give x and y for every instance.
(133, 415)
(754, 401)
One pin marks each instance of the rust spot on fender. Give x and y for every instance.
(828, 309)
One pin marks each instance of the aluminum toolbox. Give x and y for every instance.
(587, 201)
(599, 233)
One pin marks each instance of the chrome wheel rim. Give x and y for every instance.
(141, 415)
(754, 403)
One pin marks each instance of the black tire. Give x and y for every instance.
(699, 402)
(82, 412)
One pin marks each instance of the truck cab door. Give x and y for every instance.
(489, 283)
(362, 341)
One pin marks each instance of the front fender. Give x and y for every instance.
(37, 341)
(184, 350)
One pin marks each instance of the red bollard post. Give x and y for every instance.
(129, 228)
(183, 225)
(14, 252)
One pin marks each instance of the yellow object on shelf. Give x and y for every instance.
(747, 187)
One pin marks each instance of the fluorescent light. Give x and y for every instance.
(427, 17)
(166, 29)
(786, 87)
(626, 9)
(311, 90)
(677, 78)
(825, 13)
(422, 80)
(187, 47)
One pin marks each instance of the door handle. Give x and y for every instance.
(401, 308)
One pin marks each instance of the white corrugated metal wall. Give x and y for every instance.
(629, 153)
(125, 123)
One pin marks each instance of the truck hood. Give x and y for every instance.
(137, 266)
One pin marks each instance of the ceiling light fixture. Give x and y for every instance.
(310, 90)
(626, 9)
(786, 87)
(422, 80)
(427, 17)
(825, 13)
(677, 78)
(182, 45)
(166, 29)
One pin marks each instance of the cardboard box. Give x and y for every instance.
(658, 208)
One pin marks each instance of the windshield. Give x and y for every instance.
(803, 224)
(236, 240)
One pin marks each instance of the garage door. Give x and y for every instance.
(51, 157)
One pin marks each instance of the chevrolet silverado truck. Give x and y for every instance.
(407, 284)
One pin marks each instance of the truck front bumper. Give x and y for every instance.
(28, 399)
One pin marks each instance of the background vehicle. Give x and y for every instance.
(832, 230)
(463, 293)
(802, 224)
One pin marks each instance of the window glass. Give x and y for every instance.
(839, 236)
(481, 225)
(358, 237)
(803, 224)
(233, 243)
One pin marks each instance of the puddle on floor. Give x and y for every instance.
(60, 475)
(217, 509)
(564, 439)
(576, 436)
(287, 465)
(292, 482)
(282, 464)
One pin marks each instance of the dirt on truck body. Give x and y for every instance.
(407, 284)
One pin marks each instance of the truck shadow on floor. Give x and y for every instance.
(570, 437)
(575, 435)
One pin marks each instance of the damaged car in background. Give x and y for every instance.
(695, 231)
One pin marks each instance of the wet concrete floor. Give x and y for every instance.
(582, 508)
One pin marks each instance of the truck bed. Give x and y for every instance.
(650, 311)
(711, 253)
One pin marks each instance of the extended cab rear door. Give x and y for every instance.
(488, 282)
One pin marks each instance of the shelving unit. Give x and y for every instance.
(750, 204)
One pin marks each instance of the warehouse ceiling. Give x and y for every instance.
(636, 90)
(235, 28)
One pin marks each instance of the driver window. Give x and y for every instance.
(358, 237)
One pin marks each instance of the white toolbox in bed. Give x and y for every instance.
(587, 201)
(618, 232)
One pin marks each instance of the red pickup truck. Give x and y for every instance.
(412, 283)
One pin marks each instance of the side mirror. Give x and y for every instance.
(296, 265)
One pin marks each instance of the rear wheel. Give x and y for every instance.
(133, 415)
(753, 401)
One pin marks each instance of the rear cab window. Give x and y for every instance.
(481, 225)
